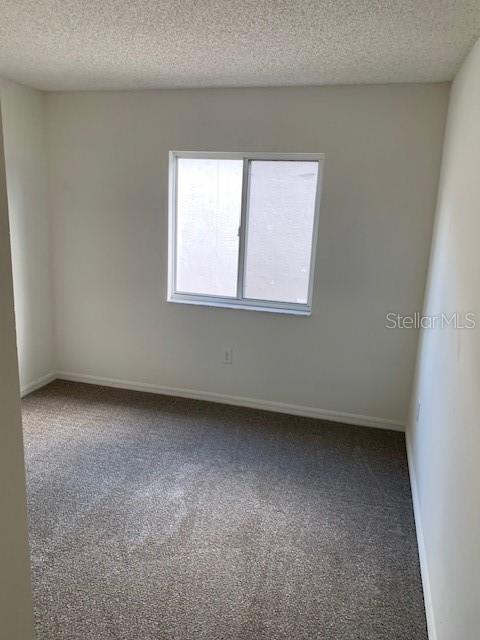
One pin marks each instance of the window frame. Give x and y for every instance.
(239, 302)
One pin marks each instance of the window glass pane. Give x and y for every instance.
(209, 196)
(281, 211)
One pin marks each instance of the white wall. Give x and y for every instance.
(16, 619)
(444, 445)
(108, 173)
(26, 166)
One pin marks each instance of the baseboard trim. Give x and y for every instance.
(422, 550)
(253, 403)
(37, 384)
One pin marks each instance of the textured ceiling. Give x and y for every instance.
(122, 44)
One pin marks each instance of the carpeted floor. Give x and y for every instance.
(155, 518)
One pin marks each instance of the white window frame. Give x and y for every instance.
(239, 301)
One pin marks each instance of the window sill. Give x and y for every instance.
(241, 306)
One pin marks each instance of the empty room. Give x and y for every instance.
(239, 320)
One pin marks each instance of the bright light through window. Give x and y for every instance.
(281, 212)
(209, 201)
(243, 229)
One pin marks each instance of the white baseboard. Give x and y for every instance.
(422, 550)
(36, 384)
(254, 403)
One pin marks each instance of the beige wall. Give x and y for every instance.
(444, 443)
(15, 597)
(108, 165)
(25, 155)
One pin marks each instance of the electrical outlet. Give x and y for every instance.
(228, 356)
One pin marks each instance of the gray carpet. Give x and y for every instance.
(170, 519)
